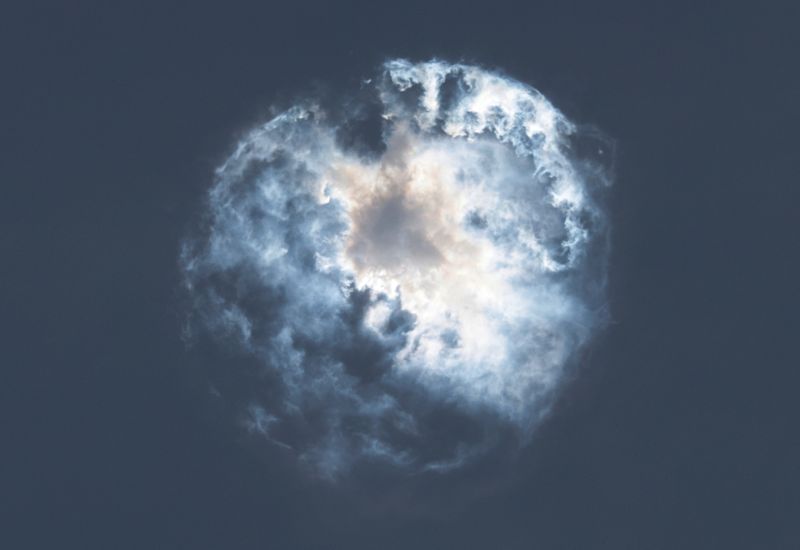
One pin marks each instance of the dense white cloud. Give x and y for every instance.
(407, 301)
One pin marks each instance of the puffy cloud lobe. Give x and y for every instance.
(407, 303)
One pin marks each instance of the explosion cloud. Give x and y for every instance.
(410, 295)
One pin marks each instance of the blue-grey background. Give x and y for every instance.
(681, 430)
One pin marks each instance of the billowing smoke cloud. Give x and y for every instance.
(410, 293)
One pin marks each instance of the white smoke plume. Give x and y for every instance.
(407, 295)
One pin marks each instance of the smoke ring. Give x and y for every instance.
(408, 294)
